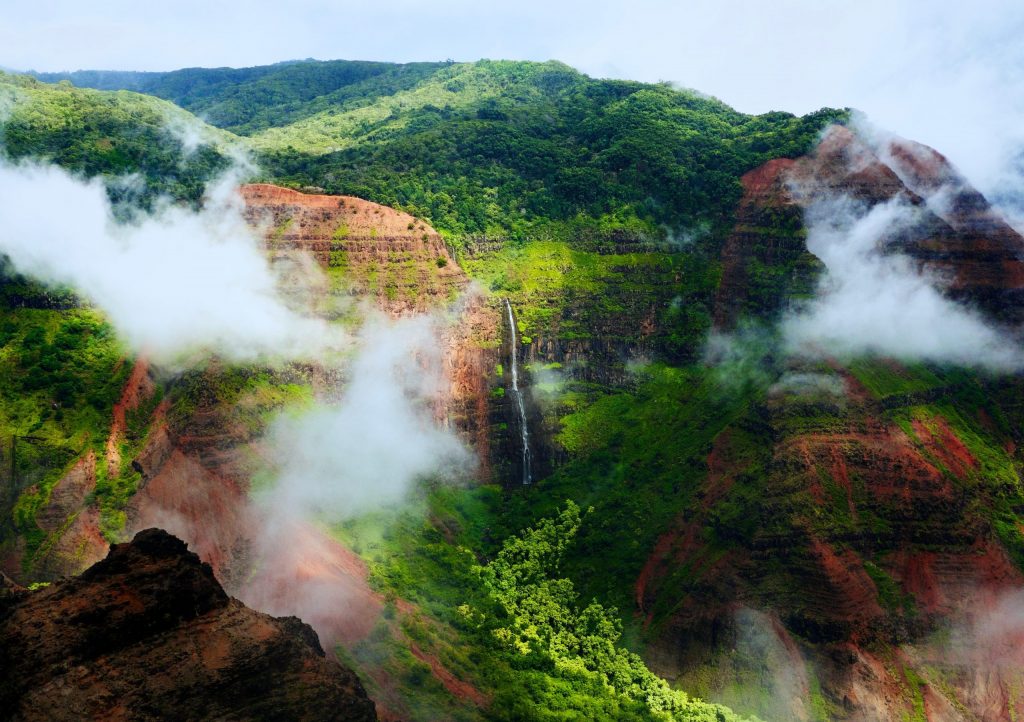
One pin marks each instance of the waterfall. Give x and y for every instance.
(524, 432)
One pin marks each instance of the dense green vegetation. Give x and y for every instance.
(63, 369)
(494, 147)
(245, 100)
(541, 624)
(521, 149)
(638, 457)
(515, 625)
(536, 606)
(559, 290)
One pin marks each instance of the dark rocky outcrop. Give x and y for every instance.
(148, 633)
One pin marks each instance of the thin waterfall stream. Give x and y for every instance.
(524, 431)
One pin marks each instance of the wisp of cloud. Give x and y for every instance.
(172, 283)
(369, 449)
(872, 302)
(333, 462)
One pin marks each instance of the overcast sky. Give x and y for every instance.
(947, 73)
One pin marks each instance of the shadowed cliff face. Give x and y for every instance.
(148, 633)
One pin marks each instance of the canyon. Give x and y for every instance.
(870, 493)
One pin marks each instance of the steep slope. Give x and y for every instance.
(373, 251)
(401, 265)
(148, 633)
(866, 522)
(957, 237)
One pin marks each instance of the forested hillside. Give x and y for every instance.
(110, 134)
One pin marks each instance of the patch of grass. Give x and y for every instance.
(915, 688)
(885, 377)
(890, 596)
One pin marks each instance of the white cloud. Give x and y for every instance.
(370, 448)
(336, 461)
(878, 303)
(174, 283)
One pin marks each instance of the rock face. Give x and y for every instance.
(959, 239)
(194, 481)
(969, 251)
(867, 539)
(148, 633)
(398, 263)
(370, 250)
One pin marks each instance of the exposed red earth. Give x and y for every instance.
(960, 240)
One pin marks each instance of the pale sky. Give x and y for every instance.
(950, 74)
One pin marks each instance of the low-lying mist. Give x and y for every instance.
(873, 302)
(341, 459)
(872, 299)
(174, 283)
(335, 461)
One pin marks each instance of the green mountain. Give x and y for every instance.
(796, 537)
(246, 100)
